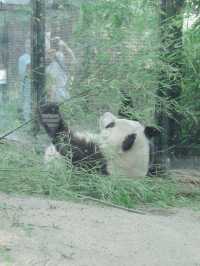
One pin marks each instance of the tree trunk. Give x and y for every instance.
(37, 55)
(169, 91)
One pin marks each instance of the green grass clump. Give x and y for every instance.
(22, 171)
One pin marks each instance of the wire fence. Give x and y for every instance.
(89, 62)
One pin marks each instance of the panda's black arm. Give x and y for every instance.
(51, 119)
(80, 151)
(55, 127)
(61, 135)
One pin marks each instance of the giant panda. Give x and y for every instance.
(121, 148)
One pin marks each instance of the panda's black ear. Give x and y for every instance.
(128, 142)
(151, 132)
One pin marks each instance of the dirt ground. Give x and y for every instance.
(53, 233)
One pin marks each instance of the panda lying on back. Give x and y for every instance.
(121, 148)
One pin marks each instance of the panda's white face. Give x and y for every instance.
(122, 134)
(126, 145)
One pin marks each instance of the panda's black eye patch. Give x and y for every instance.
(112, 124)
(128, 142)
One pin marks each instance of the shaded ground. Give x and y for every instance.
(44, 232)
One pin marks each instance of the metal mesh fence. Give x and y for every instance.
(82, 53)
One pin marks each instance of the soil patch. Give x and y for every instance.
(42, 232)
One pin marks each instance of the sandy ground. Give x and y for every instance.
(53, 233)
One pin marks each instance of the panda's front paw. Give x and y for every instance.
(50, 118)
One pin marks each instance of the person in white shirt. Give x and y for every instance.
(57, 71)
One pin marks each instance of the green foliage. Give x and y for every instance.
(22, 170)
(194, 5)
(118, 45)
(121, 51)
(9, 117)
(190, 105)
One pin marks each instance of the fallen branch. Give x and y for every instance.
(109, 204)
